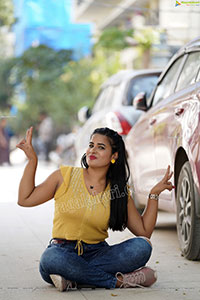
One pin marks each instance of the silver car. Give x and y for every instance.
(113, 106)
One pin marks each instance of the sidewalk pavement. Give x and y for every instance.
(25, 233)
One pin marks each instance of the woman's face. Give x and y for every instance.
(99, 152)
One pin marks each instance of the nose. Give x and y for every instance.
(93, 149)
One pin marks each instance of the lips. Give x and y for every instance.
(92, 157)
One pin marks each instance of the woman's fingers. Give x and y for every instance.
(21, 143)
(26, 143)
(165, 178)
(29, 135)
(167, 175)
(169, 186)
(164, 184)
(27, 140)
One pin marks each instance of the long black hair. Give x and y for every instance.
(117, 175)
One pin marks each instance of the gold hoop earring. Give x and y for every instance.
(112, 161)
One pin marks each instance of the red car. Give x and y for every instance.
(168, 133)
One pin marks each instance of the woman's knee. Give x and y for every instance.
(146, 239)
(44, 274)
(57, 260)
(140, 248)
(51, 257)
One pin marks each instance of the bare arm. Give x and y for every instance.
(144, 225)
(29, 194)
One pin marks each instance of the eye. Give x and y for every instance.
(90, 145)
(101, 147)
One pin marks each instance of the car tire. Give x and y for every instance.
(188, 224)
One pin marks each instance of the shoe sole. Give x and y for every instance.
(85, 286)
(59, 282)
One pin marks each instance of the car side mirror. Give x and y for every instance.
(139, 102)
(84, 114)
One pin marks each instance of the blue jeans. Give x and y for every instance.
(98, 264)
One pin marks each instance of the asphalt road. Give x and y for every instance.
(24, 234)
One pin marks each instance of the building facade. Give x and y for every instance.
(178, 24)
(49, 23)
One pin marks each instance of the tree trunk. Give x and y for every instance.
(146, 58)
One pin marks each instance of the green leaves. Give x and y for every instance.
(6, 86)
(44, 58)
(51, 81)
(6, 13)
(146, 37)
(114, 38)
(45, 79)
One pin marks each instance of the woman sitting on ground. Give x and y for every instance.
(89, 200)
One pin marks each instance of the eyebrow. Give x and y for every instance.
(101, 144)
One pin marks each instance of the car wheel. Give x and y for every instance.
(188, 224)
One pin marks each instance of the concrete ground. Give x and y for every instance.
(25, 232)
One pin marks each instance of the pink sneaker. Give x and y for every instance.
(62, 284)
(144, 276)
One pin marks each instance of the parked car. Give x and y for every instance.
(168, 133)
(113, 106)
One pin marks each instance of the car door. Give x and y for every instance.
(174, 116)
(141, 158)
(141, 140)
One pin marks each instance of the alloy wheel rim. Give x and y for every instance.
(185, 211)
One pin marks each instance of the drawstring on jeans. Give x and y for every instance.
(79, 245)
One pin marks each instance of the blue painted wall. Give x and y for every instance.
(48, 22)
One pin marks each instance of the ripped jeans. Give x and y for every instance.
(98, 264)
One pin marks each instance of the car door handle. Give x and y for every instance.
(152, 121)
(179, 111)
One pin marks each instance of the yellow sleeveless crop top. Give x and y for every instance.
(79, 215)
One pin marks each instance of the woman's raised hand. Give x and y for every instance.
(164, 184)
(26, 145)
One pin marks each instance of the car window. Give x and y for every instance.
(111, 96)
(120, 94)
(198, 76)
(141, 84)
(189, 71)
(104, 99)
(164, 89)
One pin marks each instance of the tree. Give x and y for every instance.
(145, 38)
(45, 79)
(6, 64)
(6, 86)
(114, 39)
(36, 75)
(6, 13)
